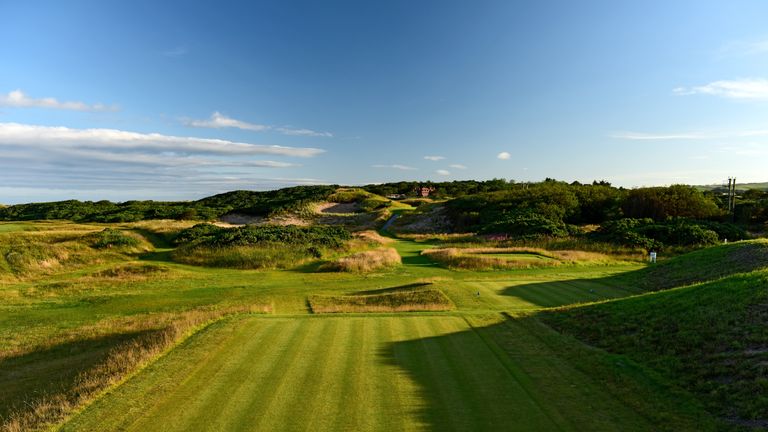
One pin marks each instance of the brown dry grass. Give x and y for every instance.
(365, 261)
(471, 258)
(158, 334)
(400, 301)
(373, 237)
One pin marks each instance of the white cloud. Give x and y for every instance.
(15, 134)
(745, 89)
(132, 165)
(642, 136)
(443, 172)
(395, 166)
(504, 155)
(743, 48)
(458, 166)
(302, 132)
(219, 120)
(18, 99)
(434, 158)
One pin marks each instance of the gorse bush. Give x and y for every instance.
(526, 225)
(650, 234)
(111, 237)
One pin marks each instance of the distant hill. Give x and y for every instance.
(739, 187)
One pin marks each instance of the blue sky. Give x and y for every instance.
(155, 100)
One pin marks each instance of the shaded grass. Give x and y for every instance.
(709, 338)
(398, 301)
(703, 265)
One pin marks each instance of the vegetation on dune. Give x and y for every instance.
(366, 261)
(710, 338)
(491, 258)
(246, 202)
(255, 247)
(398, 301)
(111, 237)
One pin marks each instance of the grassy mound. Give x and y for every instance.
(703, 265)
(365, 261)
(488, 258)
(257, 247)
(710, 338)
(398, 301)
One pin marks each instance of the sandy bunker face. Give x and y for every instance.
(337, 208)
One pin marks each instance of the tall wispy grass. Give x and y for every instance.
(365, 261)
(399, 301)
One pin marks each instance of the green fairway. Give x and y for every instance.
(357, 373)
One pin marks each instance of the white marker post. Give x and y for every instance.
(652, 257)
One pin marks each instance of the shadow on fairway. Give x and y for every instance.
(519, 375)
(30, 377)
(564, 292)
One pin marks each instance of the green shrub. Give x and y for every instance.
(111, 237)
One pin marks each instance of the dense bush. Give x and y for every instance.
(660, 203)
(650, 234)
(251, 235)
(523, 225)
(111, 237)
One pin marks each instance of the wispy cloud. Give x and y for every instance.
(19, 99)
(743, 89)
(701, 135)
(743, 48)
(458, 166)
(219, 120)
(395, 166)
(302, 132)
(443, 172)
(504, 155)
(15, 134)
(434, 158)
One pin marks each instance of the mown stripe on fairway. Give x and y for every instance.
(211, 388)
(322, 397)
(269, 407)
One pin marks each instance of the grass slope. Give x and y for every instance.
(710, 338)
(703, 265)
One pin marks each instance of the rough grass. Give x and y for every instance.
(264, 256)
(402, 301)
(365, 261)
(710, 338)
(154, 336)
(484, 258)
(703, 265)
